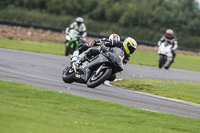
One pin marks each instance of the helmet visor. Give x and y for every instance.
(169, 36)
(131, 49)
(114, 42)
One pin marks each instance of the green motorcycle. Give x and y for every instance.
(72, 41)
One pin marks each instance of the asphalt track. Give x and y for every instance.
(45, 71)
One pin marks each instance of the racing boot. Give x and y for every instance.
(167, 67)
(112, 78)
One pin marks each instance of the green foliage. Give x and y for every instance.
(154, 17)
(26, 109)
(35, 17)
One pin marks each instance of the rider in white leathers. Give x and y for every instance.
(171, 39)
(80, 26)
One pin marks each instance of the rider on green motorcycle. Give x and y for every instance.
(79, 26)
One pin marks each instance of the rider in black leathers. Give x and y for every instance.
(113, 41)
(128, 46)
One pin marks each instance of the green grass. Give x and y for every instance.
(26, 109)
(38, 47)
(187, 62)
(187, 91)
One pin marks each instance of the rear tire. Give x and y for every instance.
(96, 80)
(68, 75)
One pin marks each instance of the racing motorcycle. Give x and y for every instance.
(72, 41)
(165, 55)
(95, 70)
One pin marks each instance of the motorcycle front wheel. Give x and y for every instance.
(162, 60)
(69, 49)
(68, 75)
(96, 79)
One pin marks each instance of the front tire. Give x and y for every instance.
(162, 61)
(96, 80)
(68, 75)
(68, 51)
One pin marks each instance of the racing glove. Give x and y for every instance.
(75, 56)
(91, 43)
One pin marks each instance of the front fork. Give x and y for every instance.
(98, 70)
(74, 66)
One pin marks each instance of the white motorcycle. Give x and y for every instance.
(165, 55)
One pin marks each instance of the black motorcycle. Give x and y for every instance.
(95, 70)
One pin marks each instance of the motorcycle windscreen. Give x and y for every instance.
(116, 56)
(73, 31)
(74, 34)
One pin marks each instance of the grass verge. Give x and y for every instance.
(29, 109)
(187, 62)
(32, 46)
(187, 91)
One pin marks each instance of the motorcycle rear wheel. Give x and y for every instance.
(96, 80)
(68, 75)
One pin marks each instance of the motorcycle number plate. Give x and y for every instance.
(84, 65)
